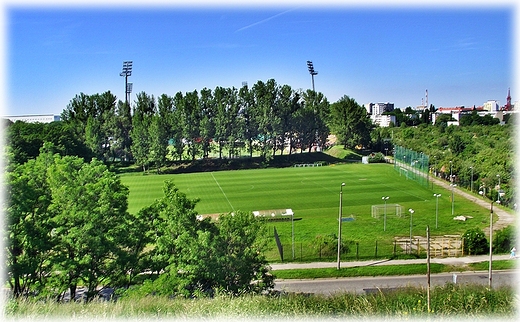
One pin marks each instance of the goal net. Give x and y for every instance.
(391, 209)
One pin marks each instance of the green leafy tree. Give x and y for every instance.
(350, 123)
(317, 111)
(24, 140)
(142, 119)
(191, 117)
(247, 116)
(29, 242)
(241, 245)
(88, 211)
(207, 124)
(122, 126)
(266, 120)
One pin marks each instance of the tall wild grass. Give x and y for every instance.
(448, 301)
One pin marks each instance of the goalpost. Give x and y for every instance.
(403, 170)
(391, 209)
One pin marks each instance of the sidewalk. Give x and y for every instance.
(447, 261)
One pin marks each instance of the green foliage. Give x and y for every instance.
(504, 240)
(327, 245)
(376, 158)
(475, 154)
(350, 123)
(66, 220)
(475, 119)
(475, 242)
(24, 140)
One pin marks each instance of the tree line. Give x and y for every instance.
(265, 119)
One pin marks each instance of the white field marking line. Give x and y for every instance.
(222, 191)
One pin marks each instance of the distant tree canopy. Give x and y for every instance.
(478, 153)
(267, 118)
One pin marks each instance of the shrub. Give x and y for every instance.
(376, 158)
(328, 245)
(504, 239)
(475, 242)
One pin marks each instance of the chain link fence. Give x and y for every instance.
(414, 165)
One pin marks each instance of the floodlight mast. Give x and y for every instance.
(127, 71)
(310, 66)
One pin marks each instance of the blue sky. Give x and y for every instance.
(461, 55)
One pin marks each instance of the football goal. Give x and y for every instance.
(391, 209)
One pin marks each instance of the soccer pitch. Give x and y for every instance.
(313, 194)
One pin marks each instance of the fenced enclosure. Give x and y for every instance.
(411, 164)
(326, 250)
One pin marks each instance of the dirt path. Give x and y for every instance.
(504, 218)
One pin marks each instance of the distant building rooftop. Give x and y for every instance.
(42, 118)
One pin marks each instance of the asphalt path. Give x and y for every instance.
(367, 285)
(455, 261)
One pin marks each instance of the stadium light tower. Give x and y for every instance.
(127, 71)
(312, 72)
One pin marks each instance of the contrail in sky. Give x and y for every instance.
(264, 20)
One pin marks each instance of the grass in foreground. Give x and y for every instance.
(450, 300)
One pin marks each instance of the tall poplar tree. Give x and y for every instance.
(142, 119)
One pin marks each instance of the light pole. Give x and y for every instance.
(312, 72)
(385, 199)
(452, 199)
(339, 221)
(471, 180)
(411, 223)
(498, 188)
(437, 195)
(491, 244)
(289, 212)
(451, 173)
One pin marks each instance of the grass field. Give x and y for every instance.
(313, 194)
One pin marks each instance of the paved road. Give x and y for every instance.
(364, 285)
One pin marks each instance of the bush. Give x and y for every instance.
(376, 158)
(327, 245)
(504, 239)
(475, 242)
